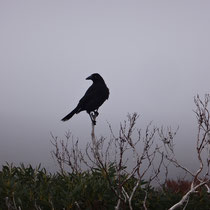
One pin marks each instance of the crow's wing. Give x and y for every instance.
(93, 98)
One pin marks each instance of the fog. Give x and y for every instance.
(153, 56)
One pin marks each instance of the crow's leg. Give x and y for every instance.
(93, 117)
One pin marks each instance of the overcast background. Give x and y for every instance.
(153, 55)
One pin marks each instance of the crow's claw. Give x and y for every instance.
(96, 113)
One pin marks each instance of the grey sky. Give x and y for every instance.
(153, 55)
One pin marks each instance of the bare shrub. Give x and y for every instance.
(136, 153)
(130, 148)
(201, 177)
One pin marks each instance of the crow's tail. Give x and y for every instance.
(70, 115)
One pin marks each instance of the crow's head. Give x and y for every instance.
(95, 77)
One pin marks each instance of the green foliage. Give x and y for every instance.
(34, 188)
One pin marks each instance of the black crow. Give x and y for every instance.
(94, 97)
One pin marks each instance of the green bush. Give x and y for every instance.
(34, 188)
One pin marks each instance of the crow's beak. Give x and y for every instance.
(89, 78)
